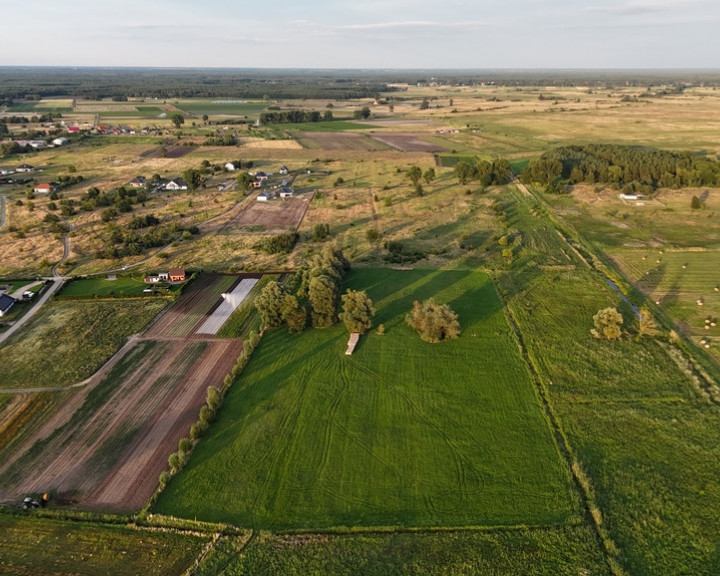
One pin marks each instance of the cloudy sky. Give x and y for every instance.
(363, 33)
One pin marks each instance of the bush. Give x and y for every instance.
(607, 324)
(434, 322)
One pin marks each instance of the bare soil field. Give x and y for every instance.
(111, 456)
(340, 141)
(133, 479)
(275, 215)
(408, 142)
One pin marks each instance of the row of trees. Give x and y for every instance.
(318, 288)
(622, 165)
(294, 116)
(497, 172)
(608, 324)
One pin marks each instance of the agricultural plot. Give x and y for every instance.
(402, 433)
(230, 303)
(172, 152)
(340, 141)
(221, 107)
(65, 548)
(111, 440)
(52, 350)
(181, 320)
(274, 215)
(408, 142)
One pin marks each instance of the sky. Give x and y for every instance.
(382, 34)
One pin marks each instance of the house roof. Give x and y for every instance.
(176, 272)
(6, 302)
(178, 181)
(43, 186)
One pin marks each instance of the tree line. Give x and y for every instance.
(294, 116)
(632, 168)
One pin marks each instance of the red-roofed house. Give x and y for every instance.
(43, 188)
(176, 275)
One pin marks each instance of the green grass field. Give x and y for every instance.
(564, 551)
(634, 420)
(101, 287)
(65, 548)
(402, 433)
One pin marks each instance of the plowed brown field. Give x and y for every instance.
(105, 447)
(275, 215)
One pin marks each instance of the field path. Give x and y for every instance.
(3, 198)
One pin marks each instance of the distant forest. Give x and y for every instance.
(631, 168)
(97, 83)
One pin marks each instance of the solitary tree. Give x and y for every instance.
(269, 305)
(177, 119)
(244, 180)
(357, 311)
(647, 326)
(193, 177)
(434, 322)
(607, 324)
(429, 175)
(414, 173)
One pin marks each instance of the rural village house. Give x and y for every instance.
(176, 184)
(138, 182)
(230, 167)
(60, 141)
(283, 170)
(44, 188)
(25, 168)
(172, 275)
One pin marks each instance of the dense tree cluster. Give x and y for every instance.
(290, 117)
(120, 199)
(498, 171)
(632, 168)
(280, 244)
(320, 284)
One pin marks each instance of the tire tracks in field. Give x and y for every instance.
(460, 462)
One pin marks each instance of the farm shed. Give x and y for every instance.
(286, 192)
(6, 302)
(283, 170)
(25, 168)
(230, 167)
(265, 196)
(60, 141)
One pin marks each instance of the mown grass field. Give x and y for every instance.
(402, 433)
(64, 548)
(101, 286)
(565, 551)
(636, 423)
(68, 341)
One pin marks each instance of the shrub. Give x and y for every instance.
(607, 324)
(434, 322)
